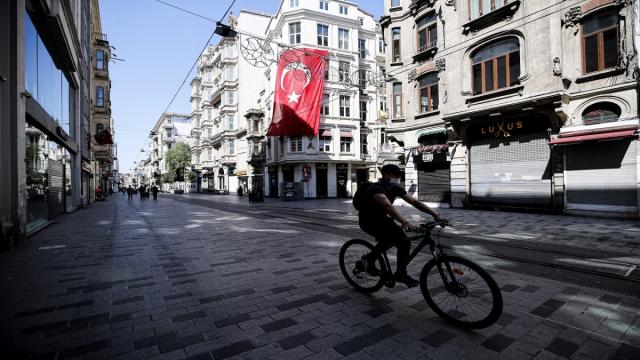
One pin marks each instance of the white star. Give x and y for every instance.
(293, 97)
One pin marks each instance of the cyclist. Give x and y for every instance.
(376, 218)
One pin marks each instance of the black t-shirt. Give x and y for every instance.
(371, 211)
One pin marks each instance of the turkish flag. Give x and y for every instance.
(298, 94)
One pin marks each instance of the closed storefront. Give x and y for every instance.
(602, 176)
(510, 163)
(433, 166)
(342, 175)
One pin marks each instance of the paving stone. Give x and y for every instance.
(278, 324)
(438, 338)
(293, 341)
(498, 342)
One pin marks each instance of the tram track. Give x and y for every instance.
(539, 259)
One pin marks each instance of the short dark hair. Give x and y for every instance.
(391, 169)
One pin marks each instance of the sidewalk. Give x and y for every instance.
(622, 236)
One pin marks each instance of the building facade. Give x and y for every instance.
(225, 87)
(170, 129)
(101, 129)
(343, 154)
(44, 84)
(515, 103)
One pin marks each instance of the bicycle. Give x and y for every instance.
(448, 283)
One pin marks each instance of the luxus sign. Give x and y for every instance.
(505, 129)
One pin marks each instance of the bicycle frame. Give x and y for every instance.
(436, 251)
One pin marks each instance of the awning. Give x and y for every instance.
(344, 133)
(432, 131)
(601, 136)
(325, 132)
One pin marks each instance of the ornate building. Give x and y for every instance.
(515, 103)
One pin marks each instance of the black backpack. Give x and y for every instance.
(358, 197)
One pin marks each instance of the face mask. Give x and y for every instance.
(395, 181)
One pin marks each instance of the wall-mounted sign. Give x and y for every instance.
(506, 128)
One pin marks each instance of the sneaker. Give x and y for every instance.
(408, 280)
(370, 267)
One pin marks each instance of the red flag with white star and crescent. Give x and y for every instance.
(298, 94)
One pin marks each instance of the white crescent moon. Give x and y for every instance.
(295, 67)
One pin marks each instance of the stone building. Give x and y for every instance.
(225, 87)
(44, 86)
(512, 103)
(170, 129)
(344, 152)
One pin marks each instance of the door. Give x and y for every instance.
(287, 173)
(321, 181)
(342, 171)
(55, 194)
(273, 181)
(602, 176)
(434, 182)
(511, 171)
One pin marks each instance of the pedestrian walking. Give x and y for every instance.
(154, 191)
(129, 193)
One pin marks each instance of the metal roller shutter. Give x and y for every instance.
(434, 184)
(511, 171)
(55, 196)
(602, 174)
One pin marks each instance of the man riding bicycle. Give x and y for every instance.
(376, 218)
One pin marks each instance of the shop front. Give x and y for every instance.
(433, 166)
(322, 183)
(273, 181)
(510, 162)
(342, 175)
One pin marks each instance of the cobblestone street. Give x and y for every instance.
(170, 279)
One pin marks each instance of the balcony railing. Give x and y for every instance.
(100, 37)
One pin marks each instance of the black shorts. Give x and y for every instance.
(385, 230)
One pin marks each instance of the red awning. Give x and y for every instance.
(344, 133)
(600, 136)
(325, 132)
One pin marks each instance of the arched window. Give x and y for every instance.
(428, 92)
(601, 113)
(100, 96)
(600, 33)
(99, 128)
(496, 66)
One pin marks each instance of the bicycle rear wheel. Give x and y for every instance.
(351, 266)
(471, 300)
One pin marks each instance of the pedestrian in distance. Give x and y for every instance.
(129, 193)
(154, 191)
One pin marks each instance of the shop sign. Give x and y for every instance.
(501, 128)
(306, 172)
(504, 129)
(427, 157)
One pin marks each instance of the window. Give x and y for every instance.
(294, 33)
(231, 97)
(483, 7)
(325, 143)
(231, 122)
(601, 113)
(383, 103)
(100, 64)
(362, 48)
(345, 109)
(345, 144)
(344, 10)
(294, 3)
(209, 117)
(395, 3)
(99, 128)
(397, 100)
(600, 50)
(362, 79)
(324, 110)
(324, 5)
(343, 39)
(100, 96)
(209, 154)
(361, 21)
(364, 148)
(381, 46)
(427, 32)
(231, 147)
(230, 50)
(295, 144)
(209, 132)
(363, 110)
(496, 66)
(428, 92)
(395, 44)
(323, 35)
(343, 70)
(231, 73)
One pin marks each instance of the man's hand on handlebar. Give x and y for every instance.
(407, 226)
(440, 220)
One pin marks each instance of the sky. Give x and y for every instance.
(159, 44)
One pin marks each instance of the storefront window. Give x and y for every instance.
(46, 83)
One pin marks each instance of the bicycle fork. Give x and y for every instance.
(448, 276)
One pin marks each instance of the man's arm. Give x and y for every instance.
(388, 207)
(421, 206)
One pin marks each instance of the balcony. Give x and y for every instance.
(228, 159)
(168, 140)
(504, 11)
(101, 38)
(427, 50)
(167, 126)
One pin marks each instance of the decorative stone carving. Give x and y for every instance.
(412, 74)
(451, 3)
(445, 97)
(572, 17)
(557, 67)
(623, 3)
(441, 65)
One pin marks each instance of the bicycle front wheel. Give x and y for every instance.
(352, 267)
(468, 298)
